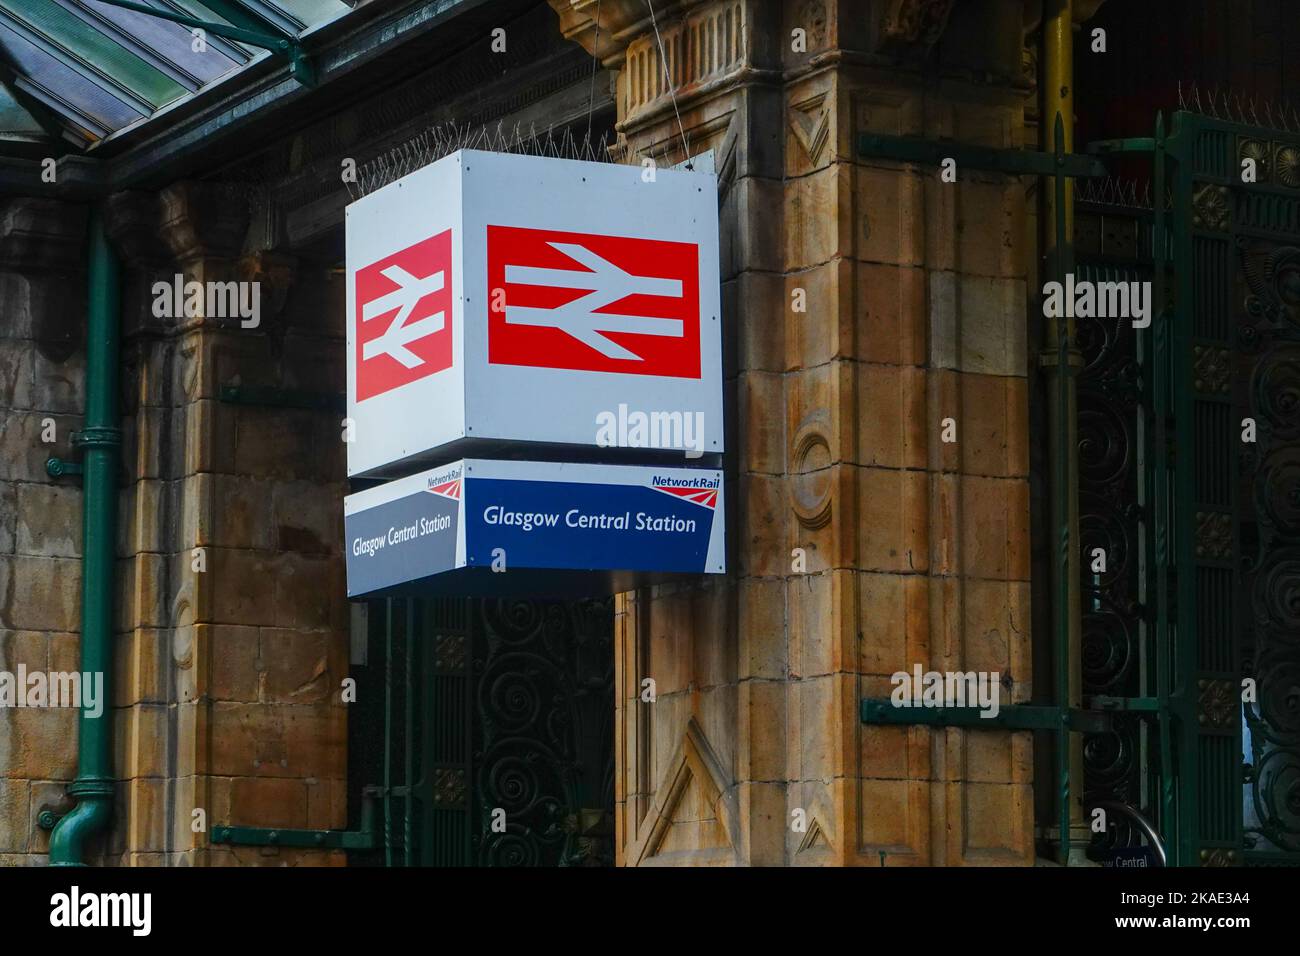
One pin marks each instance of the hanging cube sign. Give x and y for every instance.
(500, 298)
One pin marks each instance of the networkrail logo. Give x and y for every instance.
(700, 491)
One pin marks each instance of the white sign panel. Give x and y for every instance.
(528, 299)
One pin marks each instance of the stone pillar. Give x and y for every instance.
(42, 395)
(866, 304)
(233, 602)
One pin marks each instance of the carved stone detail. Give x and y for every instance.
(1213, 535)
(811, 123)
(1212, 369)
(914, 23)
(810, 485)
(42, 236)
(275, 272)
(1216, 707)
(694, 778)
(133, 220)
(448, 786)
(1286, 165)
(202, 220)
(43, 241)
(449, 652)
(702, 47)
(1210, 209)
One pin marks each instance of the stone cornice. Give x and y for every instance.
(42, 236)
(620, 22)
(202, 220)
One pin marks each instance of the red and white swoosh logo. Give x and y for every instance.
(593, 303)
(448, 489)
(403, 316)
(708, 497)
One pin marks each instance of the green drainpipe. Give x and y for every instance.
(101, 439)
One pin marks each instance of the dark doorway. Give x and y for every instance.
(484, 731)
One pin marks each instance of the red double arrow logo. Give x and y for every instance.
(594, 303)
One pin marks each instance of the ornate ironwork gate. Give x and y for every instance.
(1113, 244)
(1190, 474)
(496, 719)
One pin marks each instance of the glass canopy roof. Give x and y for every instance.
(80, 70)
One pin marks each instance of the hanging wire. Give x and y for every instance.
(595, 63)
(668, 81)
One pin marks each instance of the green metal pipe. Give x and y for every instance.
(101, 440)
(408, 741)
(388, 732)
(1160, 396)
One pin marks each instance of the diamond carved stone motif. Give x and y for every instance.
(1213, 535)
(1211, 368)
(449, 652)
(1210, 207)
(448, 786)
(810, 122)
(1217, 704)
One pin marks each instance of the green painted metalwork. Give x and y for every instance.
(236, 110)
(366, 838)
(58, 467)
(283, 398)
(497, 731)
(300, 65)
(1008, 717)
(101, 440)
(1235, 348)
(90, 53)
(96, 70)
(1223, 523)
(1159, 462)
(1015, 162)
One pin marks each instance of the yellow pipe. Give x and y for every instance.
(1057, 85)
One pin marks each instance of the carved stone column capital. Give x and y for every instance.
(203, 220)
(42, 236)
(133, 221)
(912, 25)
(275, 271)
(619, 22)
(42, 273)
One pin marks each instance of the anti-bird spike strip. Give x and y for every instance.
(434, 143)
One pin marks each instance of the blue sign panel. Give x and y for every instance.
(584, 526)
(478, 521)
